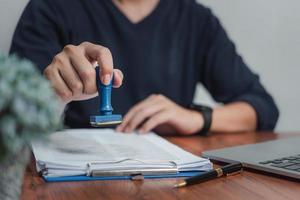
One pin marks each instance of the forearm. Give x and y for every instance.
(234, 117)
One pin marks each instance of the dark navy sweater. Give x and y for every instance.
(180, 44)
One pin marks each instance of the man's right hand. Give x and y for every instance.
(72, 71)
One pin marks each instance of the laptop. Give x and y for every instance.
(280, 157)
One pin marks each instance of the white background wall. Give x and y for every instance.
(267, 34)
(10, 11)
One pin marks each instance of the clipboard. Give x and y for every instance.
(147, 156)
(103, 178)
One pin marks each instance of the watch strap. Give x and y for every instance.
(206, 112)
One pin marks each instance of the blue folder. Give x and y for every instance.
(90, 178)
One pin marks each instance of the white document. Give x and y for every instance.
(83, 151)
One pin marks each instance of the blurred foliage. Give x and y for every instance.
(28, 106)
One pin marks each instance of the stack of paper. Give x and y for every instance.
(103, 152)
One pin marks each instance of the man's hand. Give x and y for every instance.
(160, 113)
(72, 71)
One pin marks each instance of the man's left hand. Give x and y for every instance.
(160, 113)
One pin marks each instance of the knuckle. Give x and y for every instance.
(87, 74)
(77, 87)
(160, 96)
(65, 95)
(70, 49)
(47, 72)
(153, 96)
(58, 60)
(85, 43)
(105, 51)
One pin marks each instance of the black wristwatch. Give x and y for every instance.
(206, 112)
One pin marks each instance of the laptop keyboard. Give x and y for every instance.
(290, 163)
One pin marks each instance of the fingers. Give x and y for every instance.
(83, 68)
(158, 111)
(58, 84)
(118, 78)
(158, 119)
(71, 78)
(72, 72)
(104, 58)
(143, 114)
(130, 121)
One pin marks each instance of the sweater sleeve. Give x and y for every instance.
(229, 79)
(40, 34)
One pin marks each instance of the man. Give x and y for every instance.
(164, 48)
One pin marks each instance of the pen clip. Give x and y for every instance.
(234, 173)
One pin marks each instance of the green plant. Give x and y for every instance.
(28, 106)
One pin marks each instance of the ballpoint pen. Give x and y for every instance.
(212, 174)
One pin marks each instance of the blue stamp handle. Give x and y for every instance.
(104, 92)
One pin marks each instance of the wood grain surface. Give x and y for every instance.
(248, 185)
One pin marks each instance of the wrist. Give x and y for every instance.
(188, 122)
(198, 121)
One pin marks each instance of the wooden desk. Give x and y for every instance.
(247, 185)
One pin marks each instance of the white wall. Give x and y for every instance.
(10, 11)
(267, 34)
